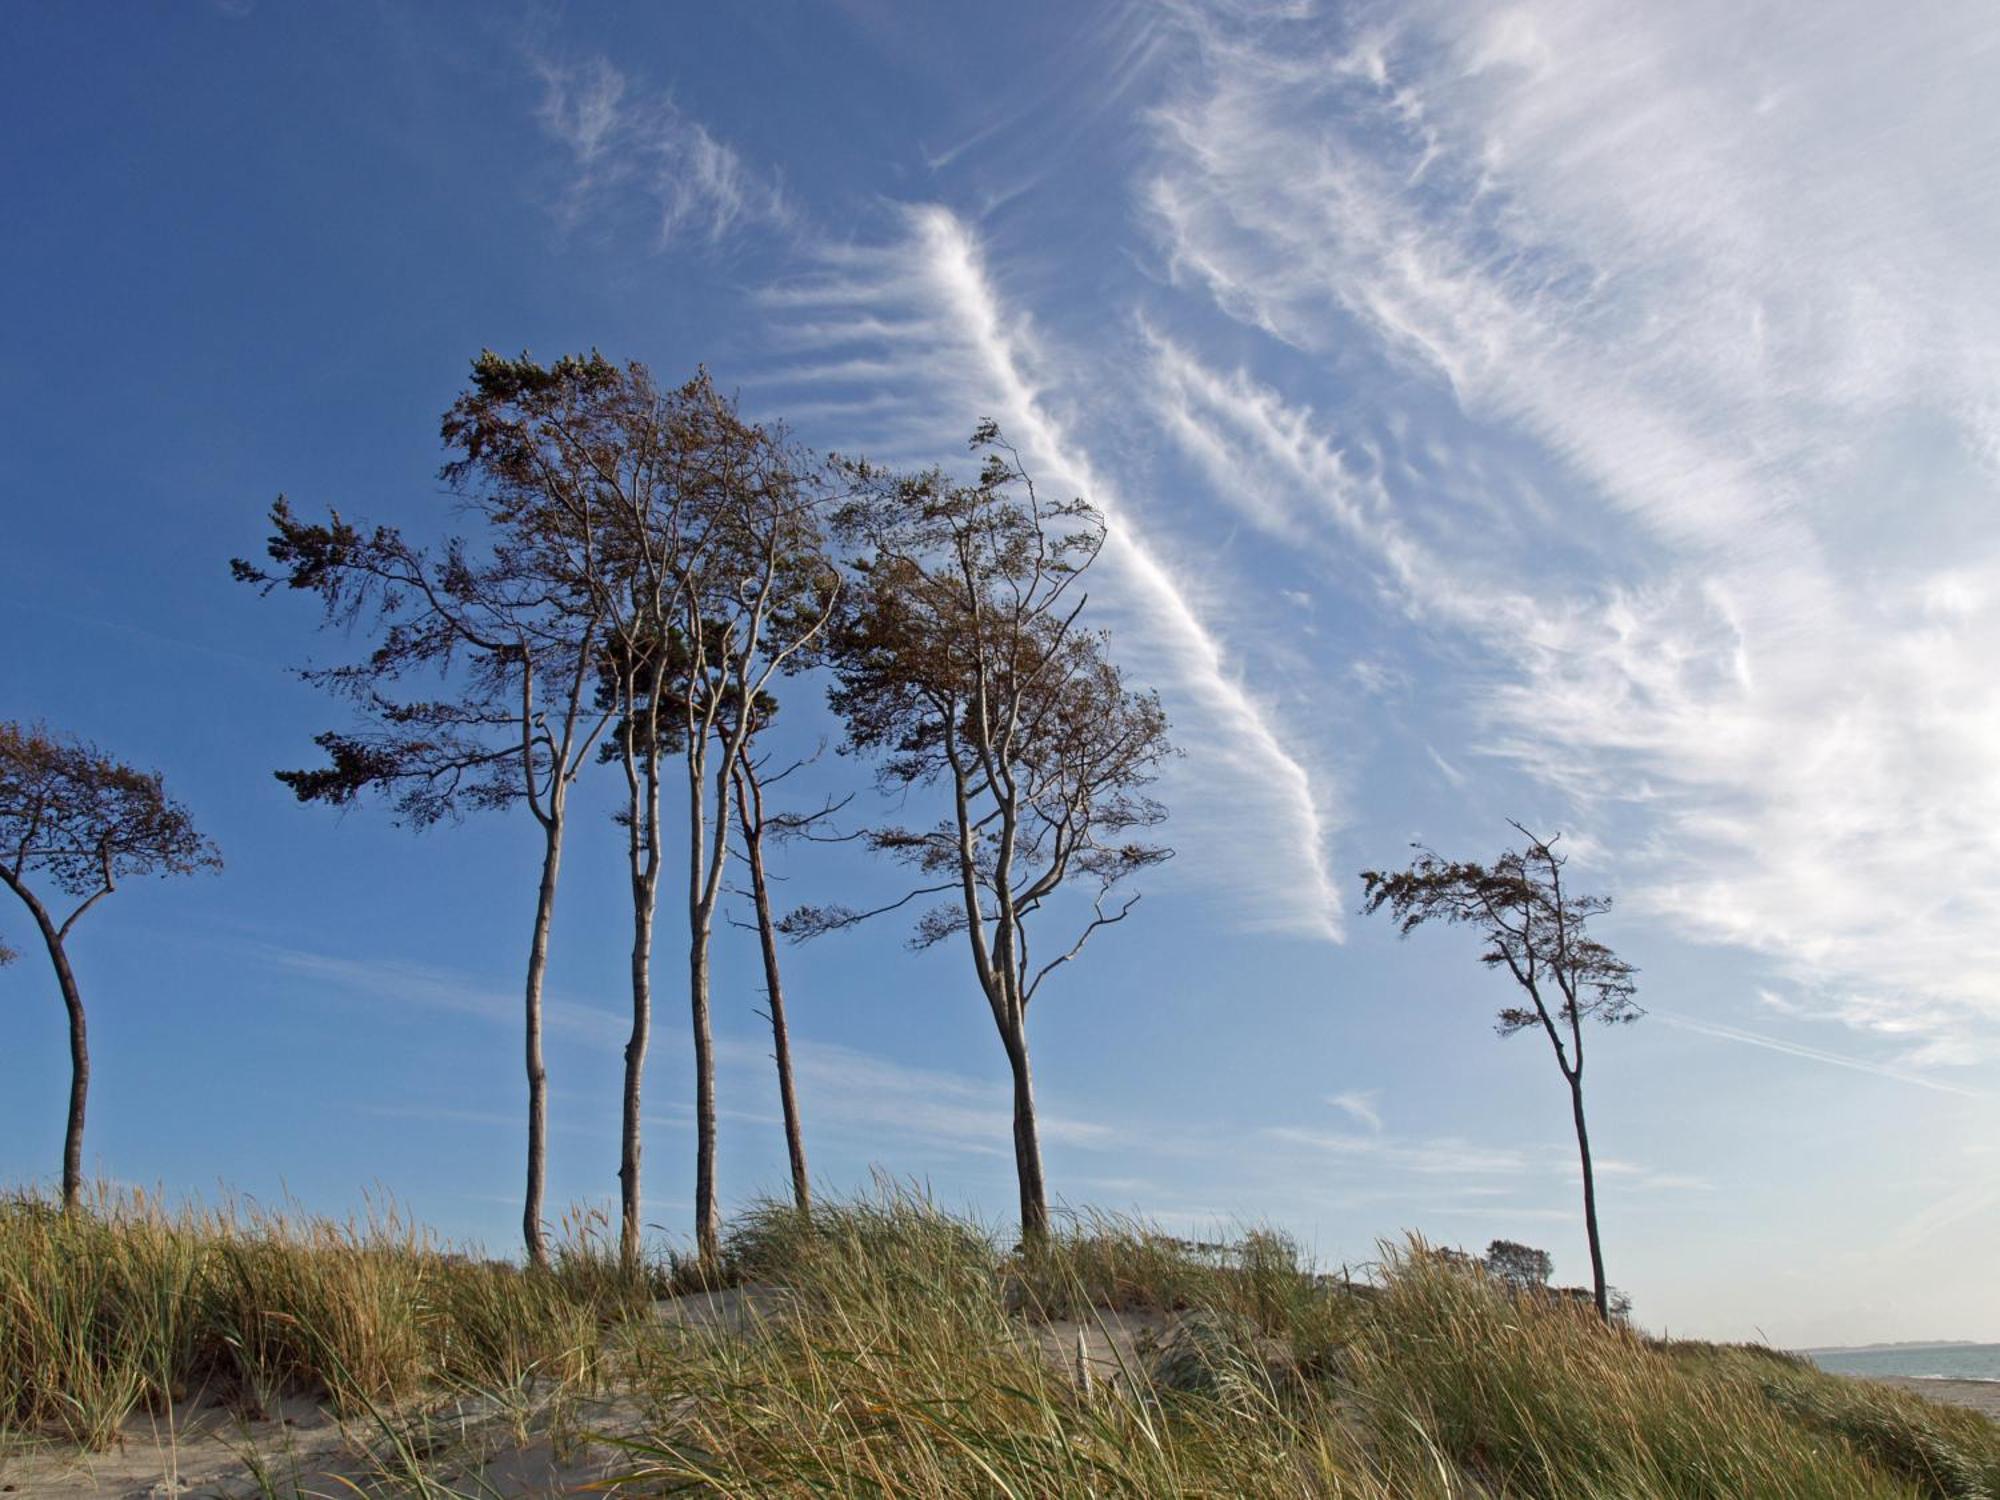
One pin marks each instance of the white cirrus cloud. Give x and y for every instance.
(853, 1091)
(629, 147)
(1360, 1105)
(1724, 273)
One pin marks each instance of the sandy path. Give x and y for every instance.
(305, 1453)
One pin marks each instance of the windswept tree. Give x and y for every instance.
(682, 545)
(75, 823)
(753, 593)
(655, 474)
(1537, 931)
(962, 662)
(509, 627)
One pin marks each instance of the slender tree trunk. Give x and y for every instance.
(630, 1136)
(532, 1229)
(79, 1081)
(707, 1217)
(79, 1070)
(701, 913)
(629, 1200)
(1027, 1139)
(750, 801)
(79, 1035)
(781, 1047)
(1589, 1197)
(645, 898)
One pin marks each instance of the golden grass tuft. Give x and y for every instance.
(128, 1305)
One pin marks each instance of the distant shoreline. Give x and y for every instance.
(1960, 1371)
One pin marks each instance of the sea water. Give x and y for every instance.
(1922, 1361)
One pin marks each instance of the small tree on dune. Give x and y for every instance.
(962, 661)
(1536, 930)
(1521, 1267)
(78, 822)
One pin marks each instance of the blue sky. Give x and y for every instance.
(1579, 413)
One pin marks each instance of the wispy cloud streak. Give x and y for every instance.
(859, 1095)
(627, 147)
(1725, 359)
(926, 304)
(1359, 1104)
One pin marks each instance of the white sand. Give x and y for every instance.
(305, 1452)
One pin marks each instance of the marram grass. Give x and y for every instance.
(128, 1306)
(886, 1349)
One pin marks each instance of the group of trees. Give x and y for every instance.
(642, 576)
(646, 572)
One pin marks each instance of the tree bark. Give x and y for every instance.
(645, 897)
(532, 1229)
(707, 1216)
(1598, 1291)
(750, 800)
(79, 1079)
(703, 883)
(630, 1147)
(1027, 1140)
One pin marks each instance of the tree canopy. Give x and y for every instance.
(1531, 927)
(72, 814)
(962, 660)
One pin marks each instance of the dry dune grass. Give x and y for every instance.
(879, 1347)
(131, 1308)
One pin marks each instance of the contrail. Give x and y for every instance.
(1813, 1054)
(952, 258)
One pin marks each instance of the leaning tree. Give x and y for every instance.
(961, 662)
(763, 828)
(76, 822)
(507, 624)
(1536, 930)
